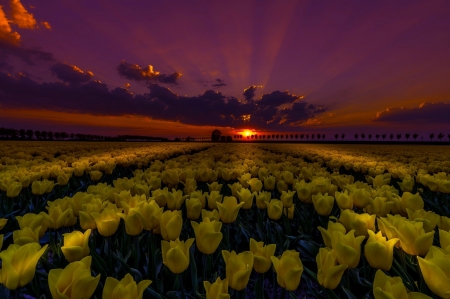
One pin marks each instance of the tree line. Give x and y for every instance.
(13, 134)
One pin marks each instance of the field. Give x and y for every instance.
(208, 220)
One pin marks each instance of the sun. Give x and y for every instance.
(247, 133)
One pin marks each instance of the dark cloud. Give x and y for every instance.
(28, 55)
(135, 72)
(210, 108)
(219, 83)
(426, 113)
(249, 92)
(70, 73)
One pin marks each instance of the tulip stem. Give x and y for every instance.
(18, 293)
(180, 280)
(136, 252)
(274, 284)
(108, 239)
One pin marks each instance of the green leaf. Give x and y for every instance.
(193, 267)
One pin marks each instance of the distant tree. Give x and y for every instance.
(407, 136)
(37, 134)
(264, 136)
(229, 139)
(363, 136)
(391, 136)
(415, 135)
(234, 136)
(377, 136)
(30, 134)
(287, 136)
(215, 135)
(256, 136)
(296, 136)
(318, 136)
(448, 137)
(72, 136)
(292, 136)
(342, 136)
(278, 136)
(268, 136)
(57, 135)
(383, 136)
(44, 135)
(22, 133)
(336, 136)
(301, 136)
(281, 136)
(307, 136)
(312, 136)
(399, 136)
(252, 136)
(64, 135)
(323, 136)
(431, 137)
(356, 136)
(50, 135)
(370, 136)
(440, 136)
(273, 136)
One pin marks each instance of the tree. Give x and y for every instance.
(273, 136)
(342, 136)
(415, 135)
(336, 136)
(44, 135)
(292, 136)
(301, 136)
(363, 136)
(448, 137)
(440, 136)
(407, 136)
(431, 136)
(268, 136)
(37, 134)
(215, 135)
(377, 136)
(281, 136)
(50, 135)
(296, 136)
(383, 136)
(356, 136)
(30, 134)
(278, 136)
(391, 136)
(370, 136)
(312, 136)
(323, 136)
(307, 136)
(399, 136)
(22, 133)
(318, 136)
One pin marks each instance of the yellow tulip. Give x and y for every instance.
(189, 186)
(217, 290)
(33, 221)
(289, 269)
(229, 209)
(57, 218)
(386, 287)
(290, 212)
(207, 235)
(19, 264)
(76, 245)
(235, 188)
(213, 198)
(243, 179)
(410, 201)
(95, 175)
(170, 177)
(212, 215)
(435, 268)
(238, 268)
(360, 197)
(379, 206)
(74, 281)
(13, 189)
(214, 187)
(358, 222)
(304, 191)
(444, 239)
(407, 184)
(262, 255)
(26, 235)
(282, 186)
(193, 208)
(323, 204)
(428, 218)
(151, 214)
(255, 185)
(175, 199)
(269, 183)
(176, 254)
(160, 196)
(347, 247)
(86, 220)
(170, 224)
(262, 199)
(275, 209)
(343, 200)
(41, 187)
(1, 244)
(444, 186)
(107, 222)
(287, 198)
(326, 233)
(444, 223)
(246, 197)
(329, 273)
(125, 288)
(3, 222)
(413, 239)
(63, 178)
(379, 252)
(134, 222)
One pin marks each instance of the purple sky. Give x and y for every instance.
(315, 66)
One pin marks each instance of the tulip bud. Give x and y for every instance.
(379, 252)
(76, 245)
(217, 290)
(329, 273)
(134, 222)
(207, 235)
(435, 268)
(238, 268)
(343, 200)
(229, 209)
(13, 189)
(125, 288)
(347, 248)
(326, 233)
(175, 199)
(95, 175)
(262, 255)
(289, 269)
(263, 199)
(255, 185)
(171, 224)
(107, 222)
(323, 204)
(213, 198)
(412, 202)
(193, 208)
(287, 198)
(413, 239)
(246, 197)
(269, 183)
(275, 209)
(212, 215)
(176, 254)
(26, 235)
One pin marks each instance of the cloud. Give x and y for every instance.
(426, 113)
(20, 16)
(249, 92)
(219, 83)
(210, 108)
(70, 73)
(7, 35)
(135, 72)
(46, 25)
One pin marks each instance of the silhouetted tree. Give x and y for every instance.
(356, 136)
(383, 136)
(273, 136)
(448, 137)
(296, 136)
(215, 135)
(399, 136)
(30, 134)
(278, 136)
(281, 136)
(431, 136)
(323, 136)
(407, 136)
(292, 136)
(50, 135)
(301, 136)
(22, 133)
(44, 135)
(336, 136)
(57, 135)
(268, 136)
(377, 136)
(415, 135)
(318, 136)
(342, 136)
(440, 136)
(391, 136)
(307, 136)
(370, 136)
(37, 134)
(363, 136)
(312, 136)
(72, 136)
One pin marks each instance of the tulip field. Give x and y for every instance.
(214, 221)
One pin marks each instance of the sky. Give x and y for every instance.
(183, 68)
